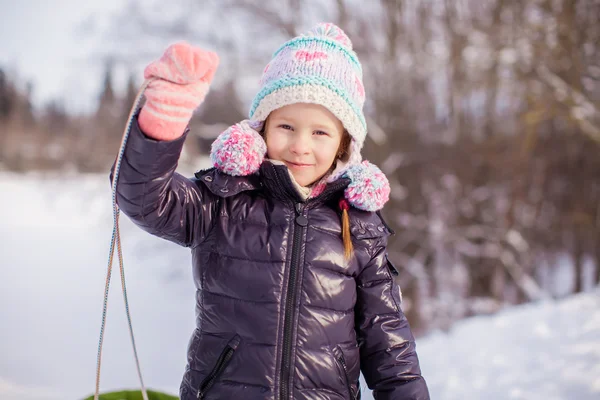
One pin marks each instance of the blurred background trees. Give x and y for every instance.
(484, 114)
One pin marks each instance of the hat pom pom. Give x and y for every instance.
(239, 150)
(369, 188)
(331, 31)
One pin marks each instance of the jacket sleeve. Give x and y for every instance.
(388, 355)
(155, 197)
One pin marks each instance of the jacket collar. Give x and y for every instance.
(278, 181)
(273, 178)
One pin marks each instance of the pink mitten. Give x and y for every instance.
(184, 75)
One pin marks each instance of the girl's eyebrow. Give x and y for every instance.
(292, 121)
(284, 119)
(324, 127)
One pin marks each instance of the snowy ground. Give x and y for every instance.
(54, 238)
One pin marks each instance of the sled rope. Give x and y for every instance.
(116, 239)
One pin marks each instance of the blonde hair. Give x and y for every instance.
(344, 155)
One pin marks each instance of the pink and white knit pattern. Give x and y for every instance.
(238, 151)
(182, 79)
(369, 188)
(318, 67)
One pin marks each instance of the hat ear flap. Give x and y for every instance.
(239, 150)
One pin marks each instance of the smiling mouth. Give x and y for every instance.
(297, 165)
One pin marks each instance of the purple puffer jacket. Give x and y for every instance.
(280, 313)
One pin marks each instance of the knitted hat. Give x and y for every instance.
(318, 67)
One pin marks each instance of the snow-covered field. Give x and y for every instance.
(54, 240)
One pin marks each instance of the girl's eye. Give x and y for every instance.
(320, 133)
(285, 126)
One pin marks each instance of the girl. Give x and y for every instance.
(295, 293)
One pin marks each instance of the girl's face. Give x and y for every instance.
(306, 138)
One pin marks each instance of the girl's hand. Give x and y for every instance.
(182, 79)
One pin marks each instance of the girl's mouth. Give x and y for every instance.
(297, 165)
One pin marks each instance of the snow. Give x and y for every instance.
(55, 236)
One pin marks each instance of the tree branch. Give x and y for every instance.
(581, 109)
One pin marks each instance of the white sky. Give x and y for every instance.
(39, 40)
(43, 42)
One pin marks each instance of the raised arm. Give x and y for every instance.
(149, 191)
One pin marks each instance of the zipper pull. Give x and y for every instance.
(300, 219)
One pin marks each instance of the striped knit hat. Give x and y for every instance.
(318, 67)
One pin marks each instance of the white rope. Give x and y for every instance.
(116, 239)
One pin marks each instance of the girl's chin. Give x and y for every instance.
(305, 181)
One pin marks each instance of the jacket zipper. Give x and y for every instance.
(340, 358)
(301, 222)
(220, 365)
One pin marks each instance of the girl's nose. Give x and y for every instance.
(300, 144)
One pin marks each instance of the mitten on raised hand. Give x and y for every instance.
(183, 76)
